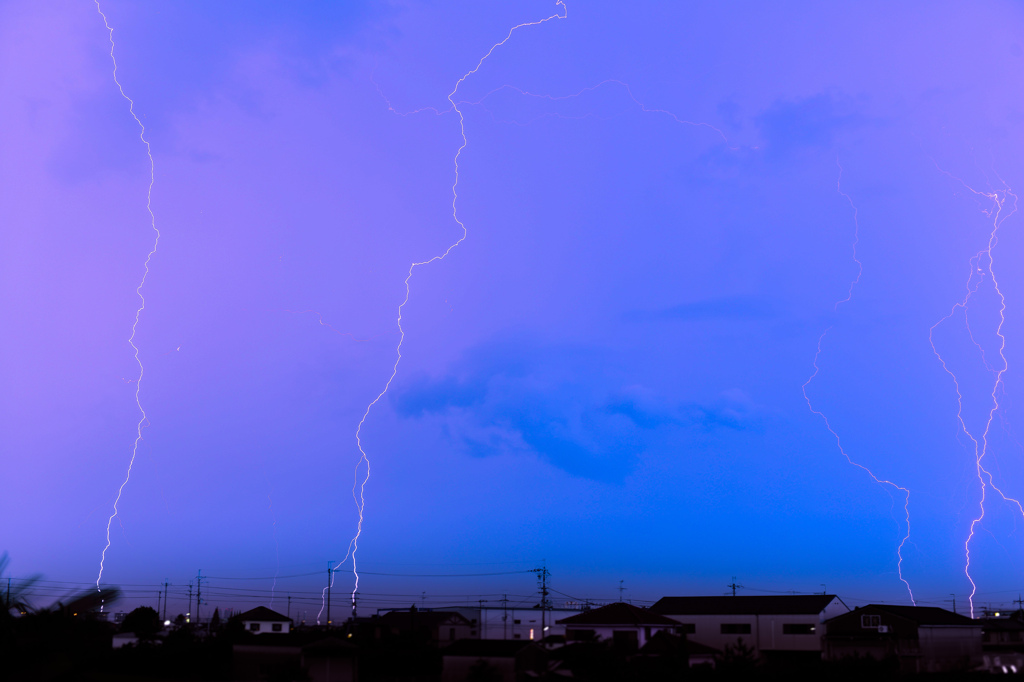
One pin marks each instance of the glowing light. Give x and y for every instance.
(905, 493)
(359, 486)
(138, 291)
(981, 263)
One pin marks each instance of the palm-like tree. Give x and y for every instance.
(15, 596)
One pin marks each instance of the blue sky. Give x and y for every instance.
(664, 203)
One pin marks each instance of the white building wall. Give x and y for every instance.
(767, 633)
(267, 626)
(497, 623)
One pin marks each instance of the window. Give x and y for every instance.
(625, 640)
(451, 634)
(276, 627)
(255, 627)
(687, 628)
(579, 635)
(867, 621)
(735, 628)
(472, 633)
(798, 628)
(517, 621)
(531, 633)
(516, 636)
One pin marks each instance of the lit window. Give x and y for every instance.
(531, 633)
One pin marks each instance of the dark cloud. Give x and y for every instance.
(562, 404)
(811, 122)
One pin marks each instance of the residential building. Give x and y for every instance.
(628, 627)
(1002, 642)
(439, 627)
(670, 645)
(262, 620)
(516, 622)
(773, 626)
(923, 638)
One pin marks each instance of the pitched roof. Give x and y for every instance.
(926, 615)
(619, 613)
(417, 618)
(744, 605)
(663, 643)
(262, 613)
(1002, 624)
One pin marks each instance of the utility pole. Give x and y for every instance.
(199, 591)
(158, 603)
(289, 614)
(483, 619)
(355, 603)
(954, 601)
(166, 583)
(542, 575)
(621, 589)
(330, 572)
(188, 614)
(8, 602)
(734, 586)
(504, 616)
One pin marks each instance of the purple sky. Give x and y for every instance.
(606, 374)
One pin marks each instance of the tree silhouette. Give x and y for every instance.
(143, 621)
(16, 598)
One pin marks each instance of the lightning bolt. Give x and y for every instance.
(138, 292)
(982, 264)
(887, 484)
(553, 98)
(359, 486)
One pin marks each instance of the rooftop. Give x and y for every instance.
(262, 613)
(619, 613)
(924, 615)
(803, 604)
(416, 618)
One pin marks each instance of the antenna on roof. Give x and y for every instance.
(734, 586)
